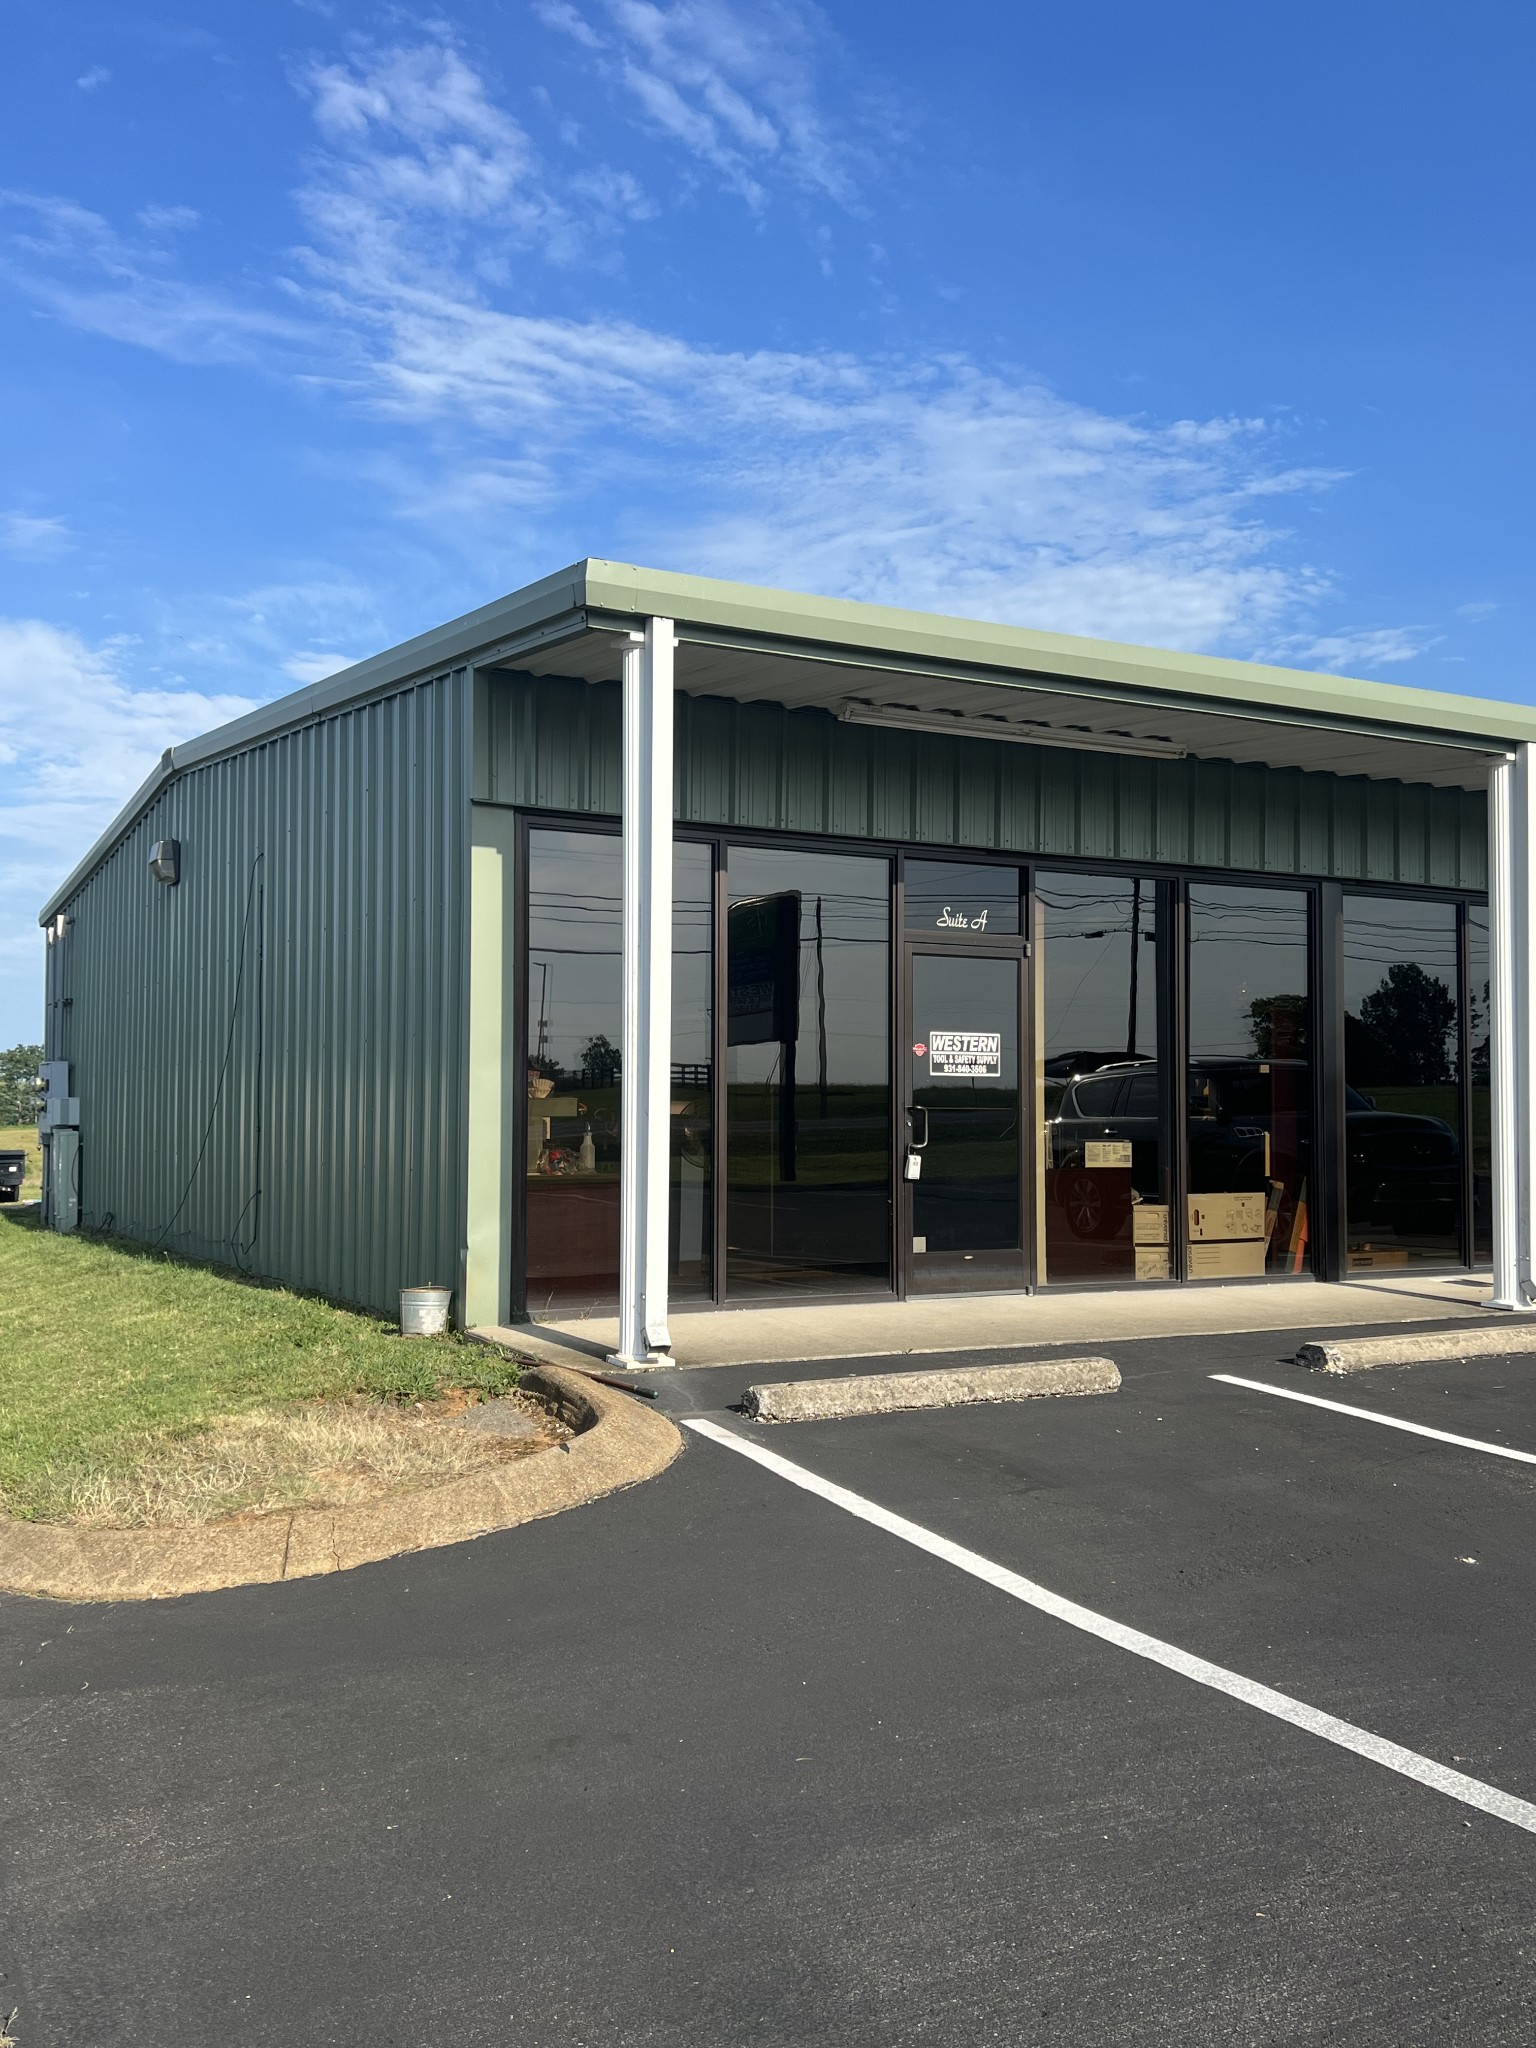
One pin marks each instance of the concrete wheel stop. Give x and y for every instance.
(887, 1393)
(1358, 1354)
(615, 1443)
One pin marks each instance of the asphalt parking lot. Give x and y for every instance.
(719, 1761)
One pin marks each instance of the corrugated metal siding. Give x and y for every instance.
(284, 1030)
(555, 745)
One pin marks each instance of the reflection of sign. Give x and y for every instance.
(1107, 1152)
(956, 920)
(763, 977)
(966, 1055)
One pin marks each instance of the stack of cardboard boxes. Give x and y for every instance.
(1149, 1229)
(1228, 1236)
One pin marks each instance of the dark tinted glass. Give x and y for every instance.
(575, 883)
(1479, 1080)
(1097, 1098)
(1143, 1096)
(1250, 1082)
(693, 1021)
(575, 993)
(961, 896)
(808, 1072)
(1401, 1059)
(1103, 1205)
(964, 1088)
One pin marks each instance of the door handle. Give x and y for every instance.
(916, 1143)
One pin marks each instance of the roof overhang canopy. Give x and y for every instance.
(878, 664)
(1013, 705)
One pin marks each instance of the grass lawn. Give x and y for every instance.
(111, 1356)
(24, 1138)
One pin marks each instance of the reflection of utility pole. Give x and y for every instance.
(543, 1040)
(821, 1017)
(788, 1108)
(1130, 1022)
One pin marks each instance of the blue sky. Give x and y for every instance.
(319, 323)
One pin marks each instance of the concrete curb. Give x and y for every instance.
(618, 1443)
(1358, 1354)
(885, 1393)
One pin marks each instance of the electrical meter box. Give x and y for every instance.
(61, 1182)
(58, 1108)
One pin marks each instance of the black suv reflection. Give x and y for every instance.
(1403, 1171)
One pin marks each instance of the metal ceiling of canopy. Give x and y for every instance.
(1053, 710)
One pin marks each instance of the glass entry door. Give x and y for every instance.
(962, 1184)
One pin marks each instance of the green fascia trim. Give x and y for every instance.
(556, 607)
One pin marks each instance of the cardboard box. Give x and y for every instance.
(1368, 1259)
(1241, 1260)
(1224, 1217)
(1151, 1262)
(1149, 1223)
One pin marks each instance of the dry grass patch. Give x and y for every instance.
(315, 1454)
(123, 1371)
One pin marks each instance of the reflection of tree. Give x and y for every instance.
(1480, 1032)
(1410, 1019)
(1278, 1026)
(599, 1062)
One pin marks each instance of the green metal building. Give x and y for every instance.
(650, 942)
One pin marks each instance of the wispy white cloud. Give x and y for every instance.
(423, 170)
(89, 81)
(936, 483)
(736, 84)
(265, 638)
(34, 537)
(160, 220)
(314, 668)
(76, 265)
(75, 740)
(1365, 649)
(933, 482)
(83, 733)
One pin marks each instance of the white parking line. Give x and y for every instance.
(1441, 1436)
(1375, 1749)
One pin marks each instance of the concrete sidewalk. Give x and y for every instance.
(769, 1335)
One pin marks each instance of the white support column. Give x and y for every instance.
(1512, 935)
(647, 1048)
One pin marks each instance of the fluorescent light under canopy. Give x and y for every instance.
(993, 726)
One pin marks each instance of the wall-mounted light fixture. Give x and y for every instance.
(993, 726)
(165, 861)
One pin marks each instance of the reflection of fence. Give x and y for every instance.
(607, 1073)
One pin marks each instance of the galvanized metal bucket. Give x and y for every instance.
(424, 1311)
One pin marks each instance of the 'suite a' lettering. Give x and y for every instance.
(956, 920)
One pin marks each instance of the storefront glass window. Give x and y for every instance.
(957, 897)
(575, 995)
(693, 1072)
(808, 1073)
(1103, 1203)
(1249, 1081)
(1480, 1080)
(1402, 1105)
